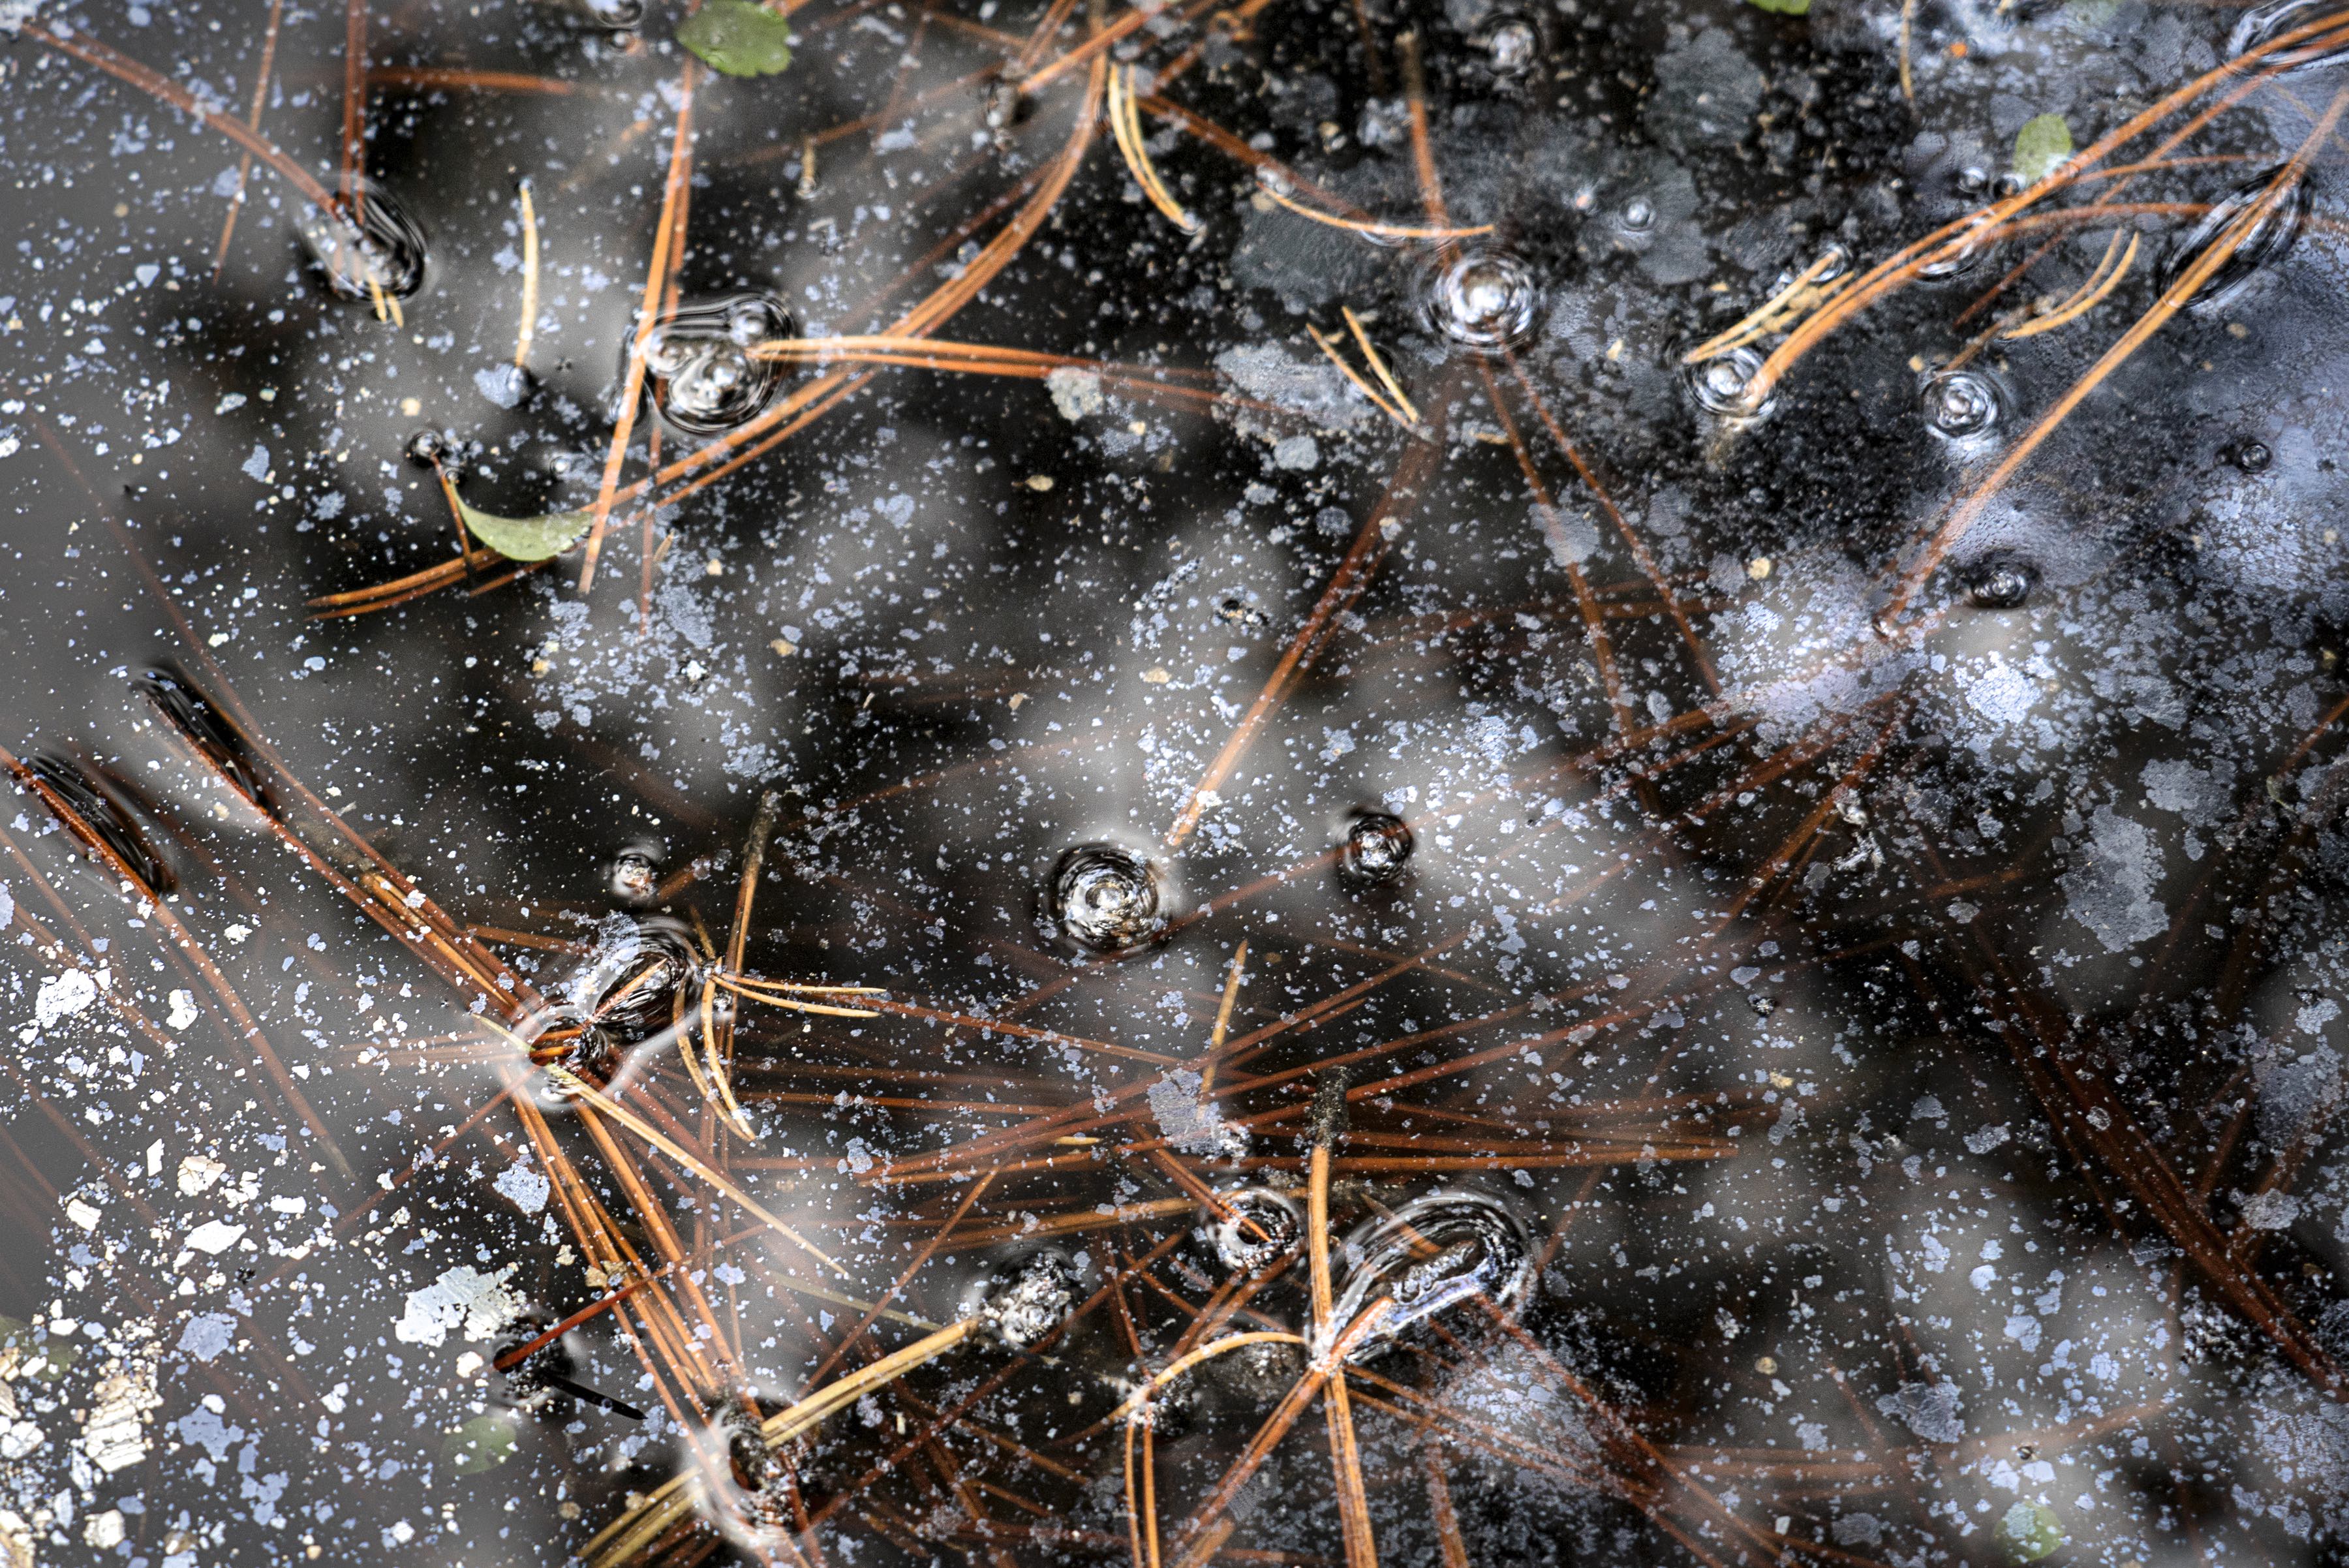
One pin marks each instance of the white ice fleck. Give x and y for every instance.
(2112, 893)
(104, 1530)
(63, 996)
(525, 1187)
(237, 933)
(82, 1214)
(461, 1298)
(2268, 1210)
(1076, 392)
(214, 1236)
(2001, 693)
(115, 1434)
(198, 1172)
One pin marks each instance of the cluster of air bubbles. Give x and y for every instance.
(1484, 298)
(1105, 898)
(705, 376)
(1376, 850)
(2000, 581)
(179, 704)
(366, 244)
(95, 817)
(443, 451)
(1253, 1226)
(2277, 225)
(633, 875)
(2264, 24)
(1033, 1300)
(1723, 385)
(1511, 44)
(2251, 456)
(1961, 404)
(1455, 1256)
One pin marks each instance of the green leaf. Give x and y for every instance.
(2041, 146)
(481, 1444)
(525, 538)
(2029, 1531)
(1783, 7)
(743, 40)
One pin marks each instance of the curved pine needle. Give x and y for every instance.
(2090, 295)
(1772, 313)
(628, 1536)
(1125, 124)
(1381, 231)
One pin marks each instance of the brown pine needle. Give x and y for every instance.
(529, 280)
(1125, 124)
(2090, 295)
(1378, 364)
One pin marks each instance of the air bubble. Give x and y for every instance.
(1511, 44)
(1639, 214)
(380, 250)
(2001, 582)
(1723, 385)
(1105, 898)
(94, 817)
(701, 368)
(1484, 298)
(179, 704)
(1960, 404)
(2252, 456)
(2264, 246)
(634, 877)
(1433, 1258)
(1260, 1227)
(1376, 850)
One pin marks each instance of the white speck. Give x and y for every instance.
(1076, 392)
(82, 1214)
(104, 1530)
(115, 1434)
(525, 1187)
(237, 933)
(1982, 1278)
(2002, 694)
(183, 1010)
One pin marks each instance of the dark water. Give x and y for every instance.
(1770, 737)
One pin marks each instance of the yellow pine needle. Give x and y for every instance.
(2086, 297)
(529, 280)
(1797, 297)
(1364, 226)
(625, 1538)
(1224, 1012)
(1386, 378)
(715, 1089)
(1125, 124)
(591, 1096)
(1330, 348)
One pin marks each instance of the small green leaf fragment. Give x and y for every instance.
(526, 538)
(2041, 146)
(743, 40)
(481, 1444)
(2029, 1531)
(1783, 7)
